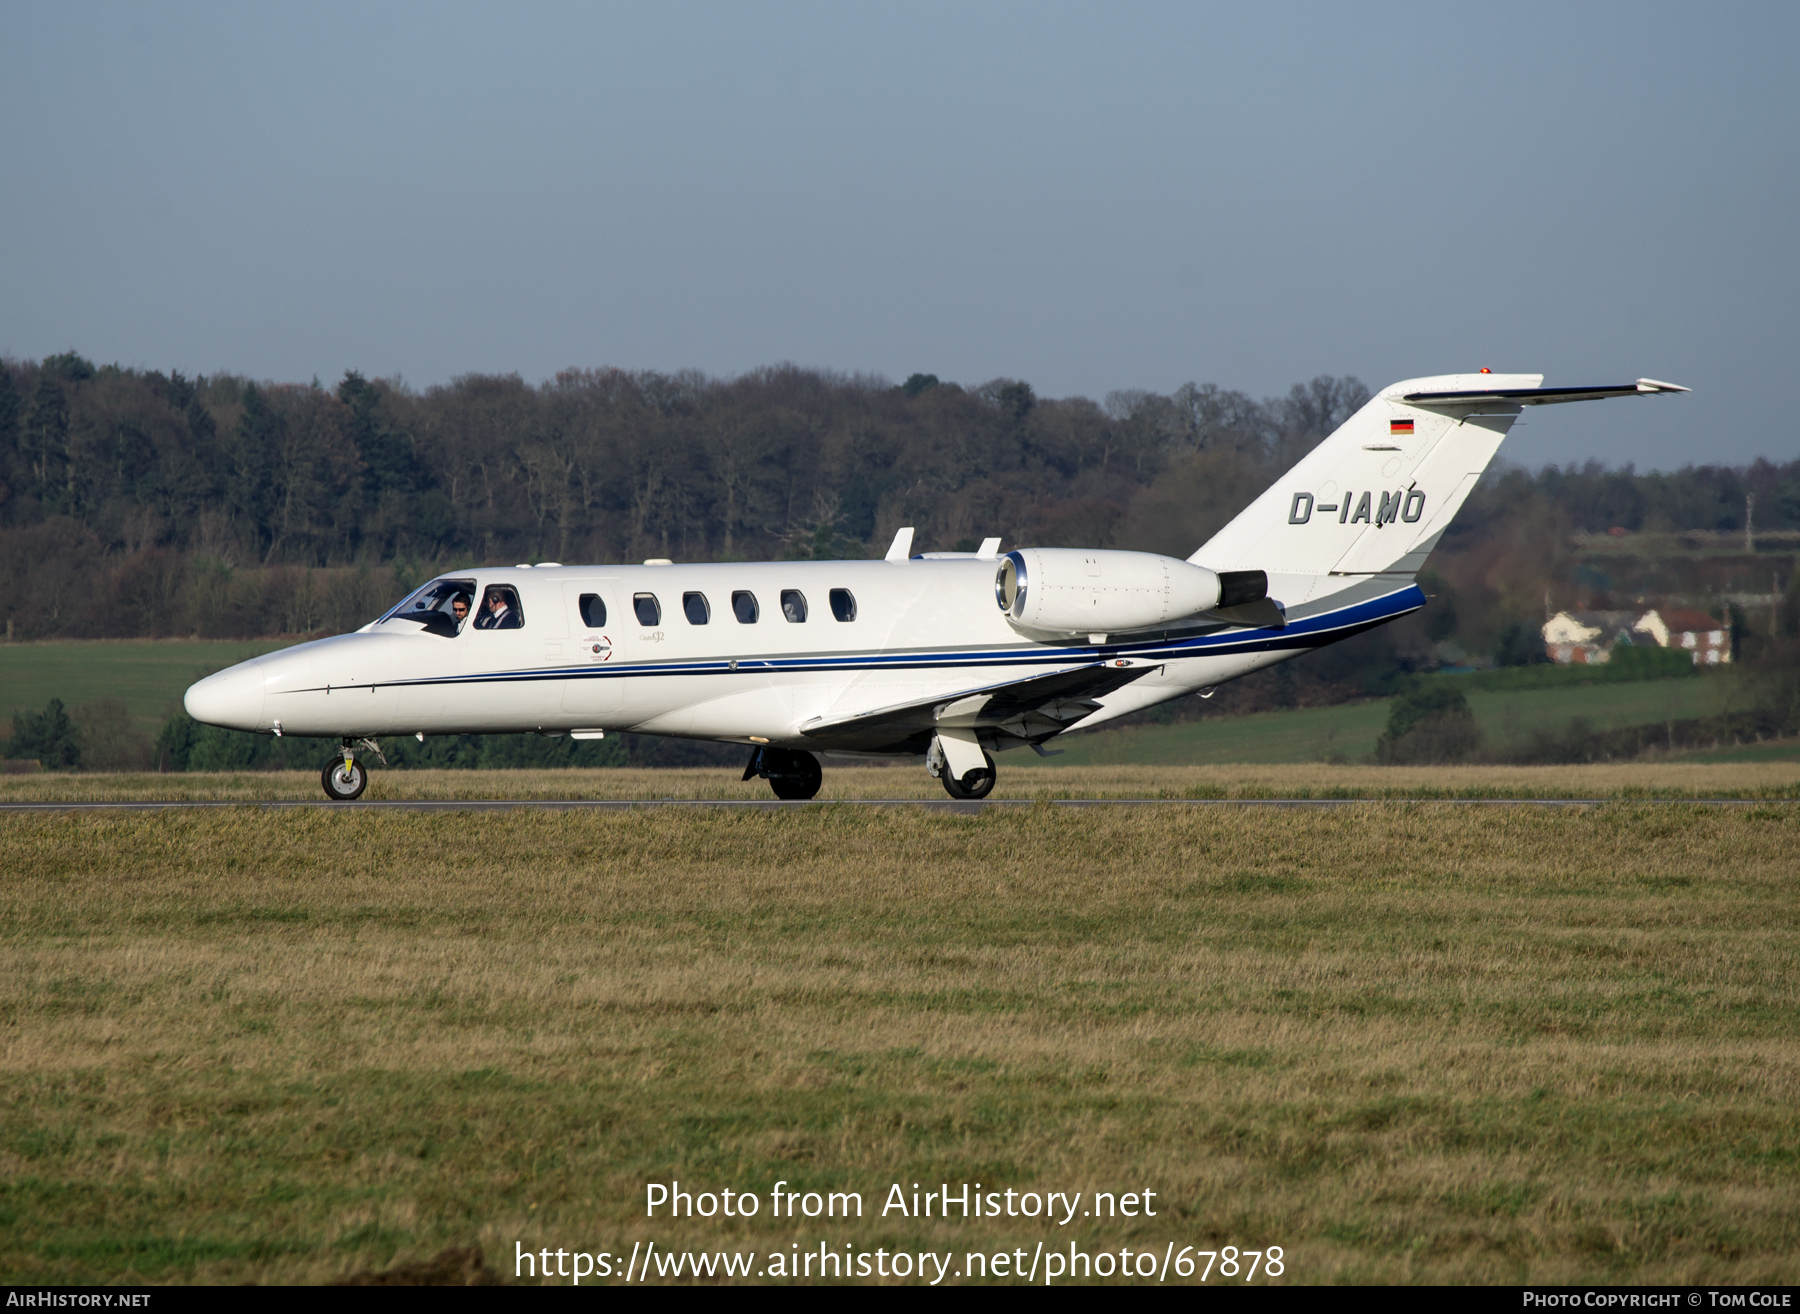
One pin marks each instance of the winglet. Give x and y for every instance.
(990, 549)
(1653, 385)
(901, 548)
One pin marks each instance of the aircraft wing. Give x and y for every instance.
(1031, 709)
(1541, 396)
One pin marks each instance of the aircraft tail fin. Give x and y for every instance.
(1376, 496)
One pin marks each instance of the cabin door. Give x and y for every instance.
(594, 684)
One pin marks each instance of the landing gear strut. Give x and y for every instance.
(792, 774)
(344, 777)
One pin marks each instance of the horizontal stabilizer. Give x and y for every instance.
(1541, 396)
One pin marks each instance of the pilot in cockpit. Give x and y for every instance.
(459, 607)
(499, 615)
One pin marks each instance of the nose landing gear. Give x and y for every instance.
(344, 777)
(791, 774)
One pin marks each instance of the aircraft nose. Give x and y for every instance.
(232, 698)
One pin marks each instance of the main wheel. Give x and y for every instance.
(792, 774)
(978, 783)
(343, 780)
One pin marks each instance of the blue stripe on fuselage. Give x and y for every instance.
(1308, 632)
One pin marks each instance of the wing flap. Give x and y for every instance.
(1057, 699)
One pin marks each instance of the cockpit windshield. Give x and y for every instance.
(442, 607)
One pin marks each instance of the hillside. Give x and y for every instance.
(1509, 719)
(149, 677)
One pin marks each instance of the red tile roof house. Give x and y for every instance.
(1708, 640)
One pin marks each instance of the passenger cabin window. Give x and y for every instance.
(793, 605)
(500, 609)
(743, 606)
(694, 604)
(441, 607)
(843, 604)
(593, 611)
(648, 609)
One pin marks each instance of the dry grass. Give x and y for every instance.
(1306, 780)
(1406, 1042)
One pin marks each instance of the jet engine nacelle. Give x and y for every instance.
(1075, 591)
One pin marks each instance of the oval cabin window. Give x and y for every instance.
(743, 606)
(843, 604)
(793, 605)
(593, 611)
(696, 608)
(648, 609)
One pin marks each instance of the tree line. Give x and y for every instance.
(599, 465)
(139, 503)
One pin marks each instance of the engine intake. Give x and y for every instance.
(1076, 591)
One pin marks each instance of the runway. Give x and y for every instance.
(961, 807)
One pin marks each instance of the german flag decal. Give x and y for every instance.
(1398, 427)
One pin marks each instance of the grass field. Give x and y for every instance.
(147, 675)
(1405, 1042)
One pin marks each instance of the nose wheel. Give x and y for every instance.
(344, 778)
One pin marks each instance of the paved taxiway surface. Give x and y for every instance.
(927, 804)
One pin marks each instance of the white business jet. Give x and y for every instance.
(950, 657)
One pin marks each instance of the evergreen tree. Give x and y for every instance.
(203, 431)
(386, 453)
(251, 483)
(49, 736)
(1429, 723)
(70, 366)
(10, 406)
(175, 742)
(1520, 645)
(185, 397)
(47, 443)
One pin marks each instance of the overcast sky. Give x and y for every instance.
(1088, 197)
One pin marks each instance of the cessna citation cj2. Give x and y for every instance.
(950, 657)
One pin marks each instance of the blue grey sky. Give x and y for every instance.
(1088, 197)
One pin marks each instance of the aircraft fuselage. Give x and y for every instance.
(918, 629)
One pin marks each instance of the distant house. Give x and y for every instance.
(1708, 640)
(1586, 638)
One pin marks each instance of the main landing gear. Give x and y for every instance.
(792, 774)
(344, 777)
(974, 784)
